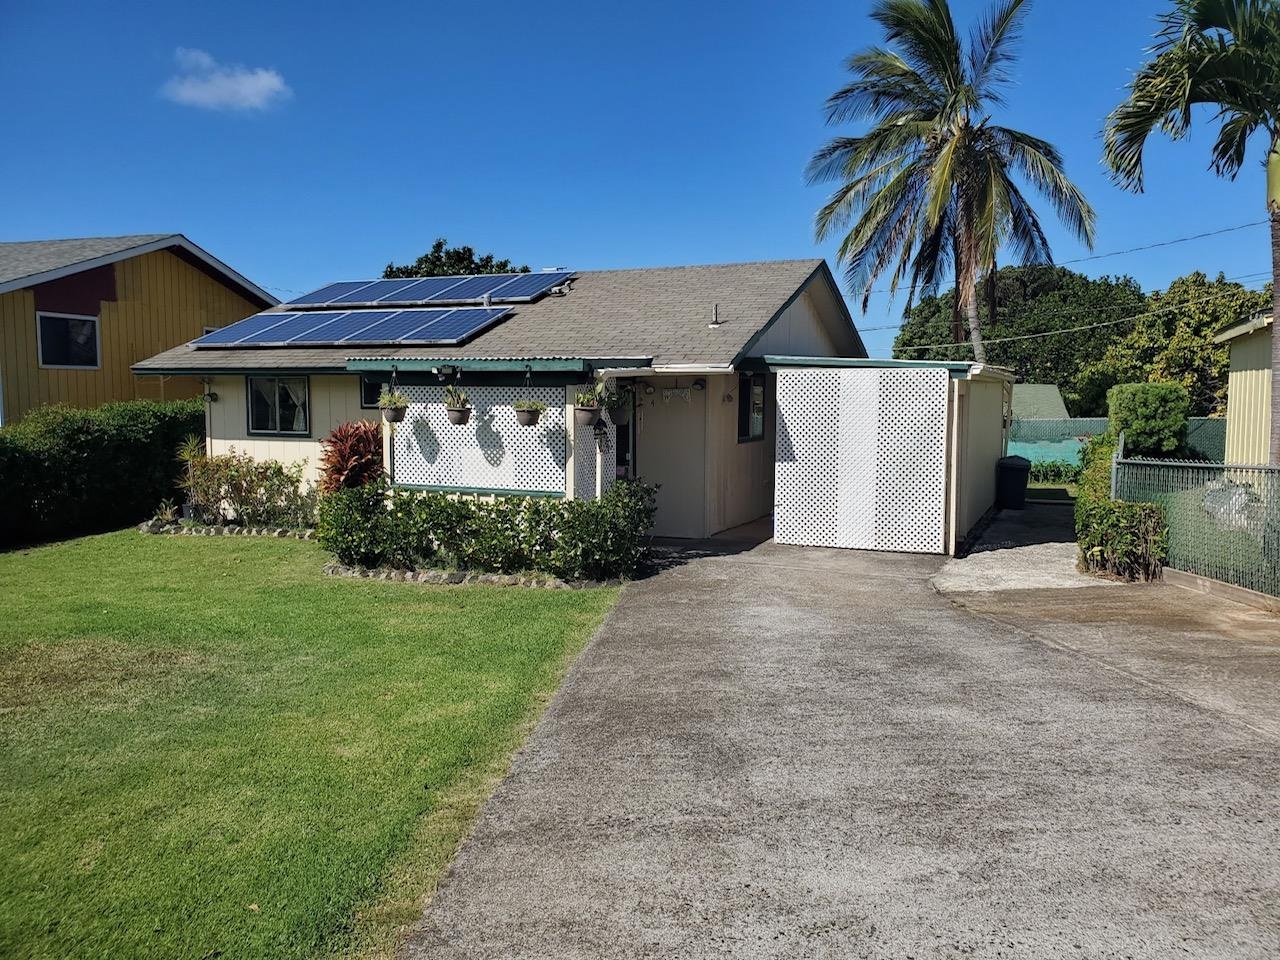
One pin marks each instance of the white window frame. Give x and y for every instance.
(97, 341)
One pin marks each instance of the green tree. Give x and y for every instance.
(1029, 301)
(1225, 55)
(929, 193)
(1172, 342)
(445, 261)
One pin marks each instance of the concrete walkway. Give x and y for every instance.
(785, 752)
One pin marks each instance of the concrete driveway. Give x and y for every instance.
(788, 752)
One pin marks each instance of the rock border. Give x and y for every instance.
(461, 577)
(228, 530)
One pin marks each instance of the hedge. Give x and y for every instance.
(1117, 538)
(571, 539)
(66, 471)
(1152, 416)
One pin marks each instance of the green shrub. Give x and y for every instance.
(1055, 471)
(353, 524)
(235, 488)
(572, 539)
(66, 471)
(1153, 417)
(1118, 538)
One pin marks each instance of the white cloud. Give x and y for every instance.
(201, 81)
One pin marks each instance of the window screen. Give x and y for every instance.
(750, 407)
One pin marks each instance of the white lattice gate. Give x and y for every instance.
(862, 459)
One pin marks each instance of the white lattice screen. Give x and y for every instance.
(861, 459)
(491, 452)
(594, 456)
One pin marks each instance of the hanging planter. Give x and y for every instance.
(586, 407)
(394, 405)
(619, 406)
(528, 412)
(457, 404)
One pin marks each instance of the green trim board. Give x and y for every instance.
(959, 369)
(480, 491)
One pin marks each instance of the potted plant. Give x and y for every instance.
(618, 403)
(586, 406)
(528, 412)
(458, 405)
(393, 404)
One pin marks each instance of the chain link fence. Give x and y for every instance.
(1224, 520)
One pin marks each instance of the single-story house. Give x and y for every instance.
(701, 349)
(75, 315)
(1249, 390)
(1038, 401)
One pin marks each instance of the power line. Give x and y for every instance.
(1121, 253)
(1077, 329)
(1261, 274)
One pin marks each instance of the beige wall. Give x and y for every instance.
(739, 476)
(1249, 398)
(978, 438)
(161, 301)
(797, 333)
(670, 452)
(334, 399)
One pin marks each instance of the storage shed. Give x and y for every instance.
(893, 455)
(1249, 390)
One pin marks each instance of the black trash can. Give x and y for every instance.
(1011, 482)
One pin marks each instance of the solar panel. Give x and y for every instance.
(226, 336)
(442, 325)
(500, 287)
(327, 294)
(349, 323)
(424, 289)
(373, 291)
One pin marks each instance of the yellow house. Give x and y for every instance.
(75, 315)
(1248, 390)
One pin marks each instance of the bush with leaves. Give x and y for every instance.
(1055, 471)
(1152, 416)
(572, 539)
(351, 456)
(1116, 537)
(235, 488)
(66, 471)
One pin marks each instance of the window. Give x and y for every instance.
(370, 390)
(67, 340)
(750, 407)
(278, 405)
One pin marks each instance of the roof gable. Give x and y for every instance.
(30, 262)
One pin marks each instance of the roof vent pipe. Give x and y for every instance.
(715, 317)
(488, 299)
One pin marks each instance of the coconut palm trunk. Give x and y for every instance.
(1273, 207)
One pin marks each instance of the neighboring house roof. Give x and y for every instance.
(1038, 401)
(1255, 323)
(26, 263)
(662, 314)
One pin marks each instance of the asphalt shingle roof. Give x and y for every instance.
(28, 258)
(661, 313)
(1033, 401)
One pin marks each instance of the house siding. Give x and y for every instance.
(161, 301)
(1249, 398)
(739, 476)
(333, 399)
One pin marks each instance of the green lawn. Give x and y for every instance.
(210, 749)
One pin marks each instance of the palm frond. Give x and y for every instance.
(925, 33)
(992, 49)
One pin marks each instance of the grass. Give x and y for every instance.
(1066, 492)
(210, 749)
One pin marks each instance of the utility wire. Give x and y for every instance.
(1244, 277)
(1077, 329)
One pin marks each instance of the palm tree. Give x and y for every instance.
(930, 189)
(1224, 54)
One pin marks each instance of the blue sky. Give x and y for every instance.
(303, 144)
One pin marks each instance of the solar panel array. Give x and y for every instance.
(441, 326)
(469, 288)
